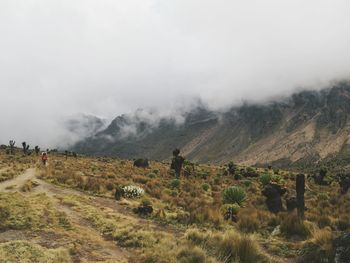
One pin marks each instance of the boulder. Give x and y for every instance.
(341, 247)
(144, 210)
(142, 163)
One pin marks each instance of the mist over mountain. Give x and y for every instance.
(61, 57)
(305, 127)
(80, 126)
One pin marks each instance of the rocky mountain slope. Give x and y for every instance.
(306, 127)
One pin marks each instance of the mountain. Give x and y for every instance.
(81, 126)
(86, 125)
(307, 127)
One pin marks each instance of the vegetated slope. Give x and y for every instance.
(304, 128)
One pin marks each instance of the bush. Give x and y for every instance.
(152, 175)
(216, 180)
(205, 187)
(234, 194)
(318, 249)
(24, 251)
(265, 179)
(203, 174)
(236, 248)
(196, 237)
(175, 183)
(231, 247)
(248, 223)
(292, 225)
(247, 183)
(191, 255)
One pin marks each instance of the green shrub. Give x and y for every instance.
(205, 187)
(175, 183)
(152, 175)
(203, 174)
(216, 180)
(265, 179)
(234, 194)
(247, 183)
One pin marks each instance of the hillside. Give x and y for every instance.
(304, 128)
(68, 212)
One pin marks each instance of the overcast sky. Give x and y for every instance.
(107, 57)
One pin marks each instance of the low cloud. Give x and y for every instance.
(61, 57)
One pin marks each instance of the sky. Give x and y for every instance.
(109, 57)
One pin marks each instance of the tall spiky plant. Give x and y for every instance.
(12, 146)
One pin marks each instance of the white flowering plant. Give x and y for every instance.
(132, 191)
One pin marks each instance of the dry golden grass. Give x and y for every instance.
(182, 211)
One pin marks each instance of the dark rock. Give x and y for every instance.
(273, 193)
(143, 163)
(342, 248)
(144, 210)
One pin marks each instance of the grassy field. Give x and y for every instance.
(66, 212)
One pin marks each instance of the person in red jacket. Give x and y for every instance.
(44, 158)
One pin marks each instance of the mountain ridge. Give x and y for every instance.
(306, 127)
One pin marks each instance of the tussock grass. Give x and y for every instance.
(23, 251)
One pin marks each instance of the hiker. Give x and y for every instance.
(44, 158)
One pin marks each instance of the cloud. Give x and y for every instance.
(111, 57)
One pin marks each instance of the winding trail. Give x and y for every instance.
(109, 249)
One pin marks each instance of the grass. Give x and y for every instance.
(23, 252)
(187, 224)
(28, 212)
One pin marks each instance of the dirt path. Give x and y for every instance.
(18, 181)
(108, 249)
